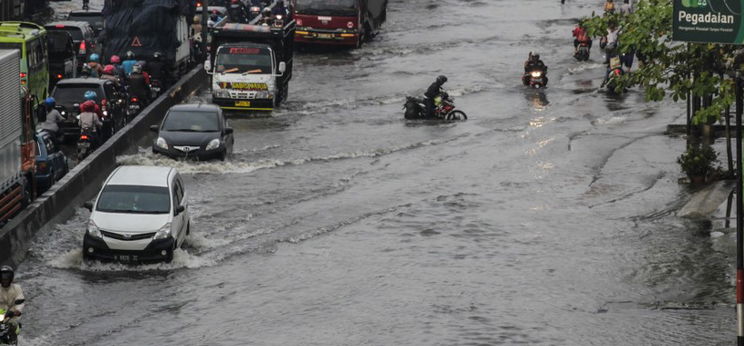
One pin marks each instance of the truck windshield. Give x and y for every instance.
(243, 60)
(327, 7)
(134, 199)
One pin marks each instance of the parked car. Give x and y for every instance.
(51, 162)
(69, 95)
(62, 57)
(140, 215)
(198, 131)
(93, 17)
(83, 37)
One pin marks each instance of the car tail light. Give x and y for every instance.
(134, 99)
(23, 75)
(350, 25)
(83, 47)
(299, 22)
(84, 137)
(59, 76)
(60, 26)
(23, 78)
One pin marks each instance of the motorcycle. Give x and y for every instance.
(445, 109)
(536, 79)
(582, 54)
(135, 106)
(8, 336)
(86, 143)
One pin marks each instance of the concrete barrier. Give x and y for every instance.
(84, 181)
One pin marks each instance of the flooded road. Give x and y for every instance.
(547, 218)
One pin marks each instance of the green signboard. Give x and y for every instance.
(716, 21)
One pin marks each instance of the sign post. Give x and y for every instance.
(720, 21)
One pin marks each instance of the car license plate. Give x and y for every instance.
(242, 103)
(325, 35)
(123, 258)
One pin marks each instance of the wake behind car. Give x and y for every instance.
(197, 131)
(140, 215)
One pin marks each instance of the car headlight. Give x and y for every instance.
(213, 144)
(161, 143)
(93, 230)
(164, 232)
(221, 93)
(536, 74)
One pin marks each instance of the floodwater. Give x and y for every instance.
(549, 217)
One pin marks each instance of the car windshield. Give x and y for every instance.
(243, 60)
(327, 7)
(191, 122)
(134, 199)
(76, 33)
(94, 19)
(71, 93)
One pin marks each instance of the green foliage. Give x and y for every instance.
(697, 160)
(668, 68)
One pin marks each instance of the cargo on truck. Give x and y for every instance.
(339, 22)
(251, 64)
(17, 155)
(145, 27)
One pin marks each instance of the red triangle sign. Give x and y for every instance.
(136, 42)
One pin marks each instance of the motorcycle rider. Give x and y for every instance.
(581, 36)
(90, 120)
(128, 64)
(109, 73)
(434, 90)
(237, 12)
(52, 118)
(255, 12)
(609, 6)
(95, 66)
(10, 293)
(138, 82)
(266, 17)
(532, 64)
(158, 70)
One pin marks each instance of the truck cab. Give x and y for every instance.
(338, 23)
(246, 77)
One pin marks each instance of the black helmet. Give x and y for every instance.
(6, 275)
(442, 79)
(266, 12)
(536, 57)
(156, 56)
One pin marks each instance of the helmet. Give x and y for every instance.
(115, 59)
(50, 102)
(442, 79)
(255, 9)
(93, 57)
(109, 69)
(535, 57)
(156, 56)
(137, 68)
(130, 55)
(90, 95)
(6, 275)
(266, 11)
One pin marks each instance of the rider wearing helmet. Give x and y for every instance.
(581, 36)
(129, 63)
(532, 64)
(434, 90)
(11, 300)
(237, 12)
(139, 82)
(109, 73)
(90, 115)
(158, 70)
(95, 66)
(52, 117)
(254, 13)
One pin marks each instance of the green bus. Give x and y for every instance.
(30, 40)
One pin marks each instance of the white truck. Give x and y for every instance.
(15, 175)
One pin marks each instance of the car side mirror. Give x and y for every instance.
(229, 130)
(180, 209)
(155, 128)
(282, 67)
(88, 205)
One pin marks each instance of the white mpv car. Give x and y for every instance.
(140, 215)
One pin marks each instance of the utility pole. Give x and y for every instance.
(739, 218)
